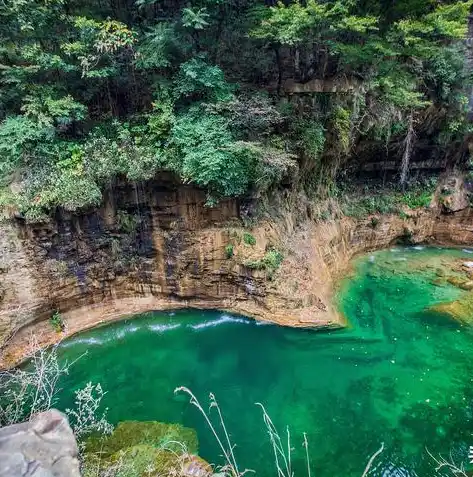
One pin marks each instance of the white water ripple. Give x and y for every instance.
(87, 341)
(219, 321)
(161, 328)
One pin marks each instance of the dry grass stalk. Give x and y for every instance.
(442, 463)
(224, 442)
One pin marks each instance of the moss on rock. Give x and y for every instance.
(131, 433)
(136, 449)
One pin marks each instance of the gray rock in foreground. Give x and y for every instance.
(42, 447)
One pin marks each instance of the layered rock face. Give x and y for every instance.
(159, 246)
(42, 447)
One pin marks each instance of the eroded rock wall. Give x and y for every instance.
(159, 247)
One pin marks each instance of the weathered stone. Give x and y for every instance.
(42, 447)
(460, 310)
(453, 194)
(94, 272)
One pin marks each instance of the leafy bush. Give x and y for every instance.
(200, 80)
(312, 134)
(249, 239)
(273, 259)
(417, 199)
(270, 262)
(389, 200)
(127, 222)
(207, 155)
(229, 251)
(359, 207)
(57, 322)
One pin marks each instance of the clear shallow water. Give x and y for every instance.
(399, 375)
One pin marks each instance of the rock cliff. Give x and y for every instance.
(159, 246)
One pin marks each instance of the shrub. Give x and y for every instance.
(417, 199)
(127, 222)
(57, 322)
(229, 251)
(273, 259)
(249, 239)
(270, 262)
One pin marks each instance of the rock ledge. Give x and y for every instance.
(42, 447)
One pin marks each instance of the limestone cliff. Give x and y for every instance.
(159, 246)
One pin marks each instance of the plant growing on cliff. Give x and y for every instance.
(57, 323)
(270, 262)
(127, 222)
(248, 239)
(229, 251)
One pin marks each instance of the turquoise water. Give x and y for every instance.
(399, 374)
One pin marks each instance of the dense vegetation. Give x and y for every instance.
(95, 91)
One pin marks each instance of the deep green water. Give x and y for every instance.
(398, 375)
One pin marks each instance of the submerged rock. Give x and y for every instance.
(462, 283)
(461, 309)
(42, 447)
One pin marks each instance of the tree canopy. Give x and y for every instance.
(95, 91)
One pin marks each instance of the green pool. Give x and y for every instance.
(399, 374)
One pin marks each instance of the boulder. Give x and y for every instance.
(42, 447)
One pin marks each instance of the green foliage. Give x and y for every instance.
(160, 47)
(248, 239)
(135, 447)
(312, 134)
(199, 80)
(229, 250)
(291, 24)
(207, 155)
(273, 259)
(91, 92)
(132, 433)
(47, 111)
(388, 201)
(419, 199)
(378, 204)
(270, 262)
(196, 19)
(19, 136)
(342, 128)
(57, 322)
(127, 222)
